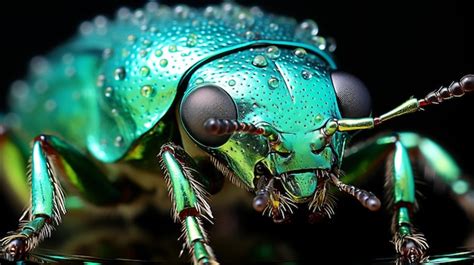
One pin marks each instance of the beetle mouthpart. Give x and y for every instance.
(367, 199)
(300, 185)
(262, 197)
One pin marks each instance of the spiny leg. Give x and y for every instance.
(400, 187)
(51, 160)
(189, 200)
(440, 166)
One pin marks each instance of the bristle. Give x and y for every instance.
(323, 200)
(229, 174)
(418, 238)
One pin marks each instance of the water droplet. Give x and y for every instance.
(107, 53)
(260, 61)
(147, 90)
(191, 40)
(227, 7)
(153, 29)
(249, 35)
(50, 105)
(320, 42)
(256, 11)
(274, 27)
(319, 118)
(114, 112)
(146, 43)
(199, 80)
(300, 52)
(20, 89)
(172, 48)
(232, 82)
(39, 65)
(123, 13)
(119, 73)
(273, 82)
(125, 52)
(131, 39)
(246, 19)
(307, 29)
(151, 6)
(138, 14)
(100, 80)
(100, 21)
(306, 74)
(144, 71)
(86, 28)
(182, 11)
(331, 44)
(158, 53)
(273, 52)
(210, 11)
(118, 141)
(163, 62)
(108, 91)
(142, 53)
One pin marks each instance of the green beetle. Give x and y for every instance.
(255, 96)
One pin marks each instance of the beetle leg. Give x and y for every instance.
(52, 160)
(362, 158)
(442, 168)
(400, 187)
(189, 200)
(410, 244)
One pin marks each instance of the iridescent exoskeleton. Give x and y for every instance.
(176, 91)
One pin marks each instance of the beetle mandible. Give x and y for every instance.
(257, 96)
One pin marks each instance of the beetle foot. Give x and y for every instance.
(411, 252)
(13, 247)
(411, 248)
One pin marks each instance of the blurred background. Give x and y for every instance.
(398, 48)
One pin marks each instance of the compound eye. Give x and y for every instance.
(352, 95)
(202, 104)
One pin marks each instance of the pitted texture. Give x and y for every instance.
(136, 63)
(288, 89)
(289, 92)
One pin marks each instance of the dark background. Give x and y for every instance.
(398, 48)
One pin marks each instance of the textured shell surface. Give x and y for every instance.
(112, 84)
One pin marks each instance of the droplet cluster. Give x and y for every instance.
(130, 79)
(292, 91)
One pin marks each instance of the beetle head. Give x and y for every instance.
(267, 116)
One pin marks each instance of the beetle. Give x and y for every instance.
(243, 100)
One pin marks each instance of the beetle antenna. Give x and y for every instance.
(227, 126)
(367, 199)
(456, 89)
